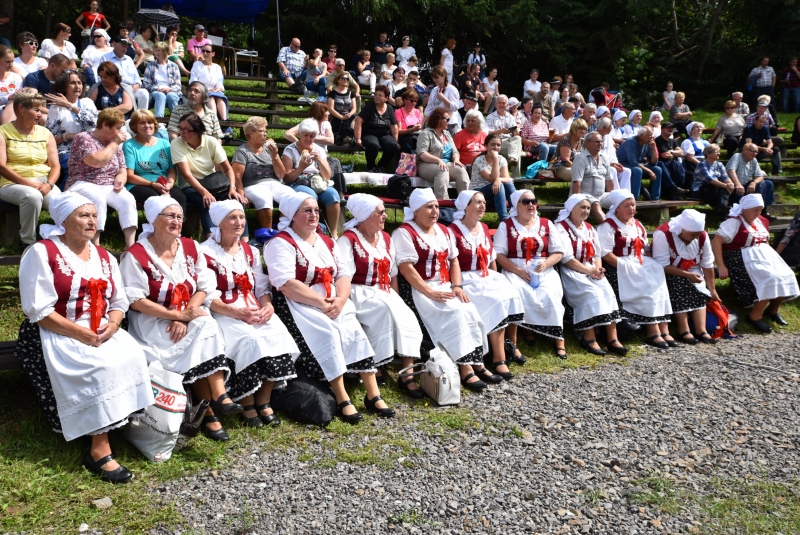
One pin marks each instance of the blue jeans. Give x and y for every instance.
(293, 76)
(794, 92)
(655, 184)
(499, 197)
(766, 188)
(320, 86)
(161, 100)
(543, 150)
(326, 198)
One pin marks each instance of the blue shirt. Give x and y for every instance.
(127, 69)
(630, 154)
(38, 81)
(147, 162)
(706, 172)
(380, 57)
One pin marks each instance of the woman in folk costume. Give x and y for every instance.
(588, 292)
(369, 258)
(683, 248)
(759, 275)
(313, 283)
(256, 340)
(527, 250)
(170, 288)
(637, 279)
(89, 375)
(497, 303)
(427, 259)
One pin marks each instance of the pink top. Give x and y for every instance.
(407, 120)
(539, 132)
(197, 46)
(83, 145)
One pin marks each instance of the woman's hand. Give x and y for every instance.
(723, 272)
(161, 189)
(88, 337)
(266, 312)
(540, 268)
(461, 294)
(120, 138)
(58, 99)
(43, 187)
(695, 278)
(714, 295)
(440, 297)
(119, 184)
(597, 273)
(522, 273)
(207, 198)
(191, 312)
(496, 186)
(233, 194)
(333, 306)
(441, 165)
(106, 331)
(176, 330)
(272, 148)
(456, 164)
(249, 316)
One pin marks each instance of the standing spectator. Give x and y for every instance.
(10, 82)
(446, 60)
(381, 48)
(532, 86)
(669, 97)
(729, 127)
(59, 44)
(27, 61)
(91, 20)
(196, 102)
(292, 64)
(405, 52)
(763, 79)
(128, 72)
(366, 71)
(210, 74)
(791, 86)
(741, 107)
(44, 79)
(196, 43)
(503, 123)
(376, 130)
(679, 114)
(476, 57)
(162, 79)
(747, 177)
(545, 101)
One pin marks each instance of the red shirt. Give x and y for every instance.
(469, 146)
(89, 18)
(330, 62)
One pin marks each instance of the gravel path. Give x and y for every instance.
(560, 453)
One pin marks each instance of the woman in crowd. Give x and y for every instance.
(497, 304)
(90, 22)
(570, 146)
(258, 170)
(527, 249)
(469, 141)
(97, 171)
(376, 130)
(59, 44)
(683, 248)
(320, 113)
(711, 182)
(110, 94)
(573, 92)
(28, 61)
(29, 165)
(387, 70)
(70, 114)
(341, 105)
(535, 132)
(632, 128)
(93, 55)
(210, 74)
(490, 86)
(730, 126)
(637, 279)
(10, 82)
(761, 278)
(679, 114)
(90, 375)
(370, 261)
(443, 96)
(427, 259)
(316, 73)
(490, 176)
(405, 51)
(366, 71)
(438, 160)
(409, 122)
(692, 148)
(563, 98)
(591, 299)
(162, 79)
(170, 289)
(197, 157)
(303, 160)
(655, 122)
(176, 50)
(149, 161)
(255, 338)
(308, 271)
(396, 84)
(446, 61)
(618, 130)
(145, 39)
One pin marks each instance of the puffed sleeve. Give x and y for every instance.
(281, 261)
(708, 255)
(554, 243)
(36, 289)
(605, 233)
(501, 239)
(263, 286)
(728, 229)
(119, 299)
(134, 278)
(206, 281)
(451, 244)
(564, 238)
(393, 254)
(341, 268)
(346, 253)
(404, 247)
(660, 248)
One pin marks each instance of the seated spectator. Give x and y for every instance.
(765, 108)
(128, 72)
(316, 73)
(28, 61)
(470, 141)
(210, 74)
(59, 44)
(503, 123)
(563, 98)
(545, 100)
(352, 85)
(590, 116)
(93, 55)
(216, 31)
(796, 131)
(574, 93)
(10, 82)
(196, 102)
(397, 86)
(342, 107)
(195, 45)
(618, 131)
(110, 94)
(43, 80)
(445, 96)
(679, 114)
(535, 133)
(162, 79)
(619, 174)
(490, 85)
(365, 70)
(670, 160)
(741, 107)
(632, 128)
(591, 174)
(711, 182)
(145, 40)
(410, 64)
(730, 126)
(789, 246)
(555, 90)
(176, 50)
(470, 102)
(410, 122)
(758, 134)
(692, 148)
(655, 123)
(568, 148)
(291, 65)
(405, 52)
(29, 165)
(438, 160)
(330, 60)
(561, 123)
(532, 86)
(747, 177)
(320, 113)
(412, 82)
(639, 155)
(376, 130)
(387, 69)
(513, 110)
(132, 49)
(470, 82)
(490, 176)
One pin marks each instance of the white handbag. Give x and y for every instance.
(439, 378)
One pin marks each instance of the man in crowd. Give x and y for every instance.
(639, 155)
(43, 80)
(591, 173)
(196, 98)
(747, 177)
(470, 103)
(791, 86)
(216, 31)
(758, 134)
(544, 98)
(561, 123)
(134, 51)
(763, 79)
(381, 48)
(195, 45)
(619, 174)
(589, 116)
(741, 107)
(711, 185)
(291, 65)
(670, 160)
(766, 109)
(503, 123)
(127, 70)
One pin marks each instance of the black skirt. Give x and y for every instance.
(684, 296)
(740, 279)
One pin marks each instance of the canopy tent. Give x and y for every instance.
(241, 11)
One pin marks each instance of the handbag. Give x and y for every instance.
(407, 165)
(439, 378)
(318, 184)
(399, 187)
(218, 184)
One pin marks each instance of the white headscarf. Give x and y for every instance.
(515, 197)
(617, 197)
(745, 203)
(570, 205)
(619, 115)
(100, 31)
(361, 205)
(690, 127)
(689, 220)
(152, 207)
(462, 201)
(419, 198)
(601, 110)
(61, 206)
(288, 205)
(634, 112)
(655, 114)
(219, 210)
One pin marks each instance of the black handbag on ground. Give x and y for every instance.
(218, 184)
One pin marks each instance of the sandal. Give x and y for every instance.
(706, 338)
(271, 419)
(651, 341)
(415, 393)
(254, 421)
(684, 338)
(619, 350)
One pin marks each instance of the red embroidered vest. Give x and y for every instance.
(301, 265)
(527, 248)
(238, 283)
(466, 254)
(744, 238)
(625, 245)
(429, 261)
(376, 273)
(675, 260)
(583, 250)
(168, 296)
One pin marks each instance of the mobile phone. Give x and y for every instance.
(162, 180)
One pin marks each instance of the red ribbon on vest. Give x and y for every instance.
(97, 288)
(180, 297)
(242, 281)
(529, 245)
(638, 247)
(444, 272)
(325, 277)
(384, 281)
(588, 251)
(686, 265)
(483, 260)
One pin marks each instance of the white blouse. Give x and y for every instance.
(606, 234)
(282, 259)
(37, 65)
(501, 236)
(729, 228)
(379, 252)
(210, 77)
(49, 49)
(689, 252)
(439, 241)
(238, 264)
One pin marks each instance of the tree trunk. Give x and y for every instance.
(49, 17)
(674, 22)
(712, 25)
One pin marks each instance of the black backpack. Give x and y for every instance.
(399, 187)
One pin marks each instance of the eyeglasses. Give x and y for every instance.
(172, 217)
(528, 201)
(730, 107)
(445, 117)
(332, 50)
(31, 43)
(413, 100)
(345, 79)
(183, 130)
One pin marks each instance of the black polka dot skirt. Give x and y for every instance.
(599, 321)
(209, 367)
(611, 275)
(273, 369)
(550, 331)
(740, 279)
(683, 295)
(29, 353)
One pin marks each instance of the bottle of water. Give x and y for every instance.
(532, 272)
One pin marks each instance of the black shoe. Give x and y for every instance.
(349, 418)
(705, 338)
(370, 405)
(587, 345)
(118, 475)
(561, 353)
(413, 394)
(505, 375)
(224, 409)
(272, 419)
(619, 350)
(219, 435)
(488, 377)
(685, 338)
(255, 421)
(759, 324)
(651, 341)
(475, 386)
(511, 353)
(380, 379)
(671, 342)
(777, 318)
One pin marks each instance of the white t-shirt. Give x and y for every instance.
(492, 87)
(480, 164)
(402, 55)
(560, 124)
(532, 87)
(49, 49)
(388, 70)
(37, 65)
(448, 60)
(294, 154)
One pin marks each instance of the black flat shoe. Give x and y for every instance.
(671, 342)
(219, 435)
(619, 350)
(488, 377)
(511, 353)
(349, 418)
(272, 419)
(760, 325)
(413, 394)
(705, 338)
(224, 409)
(379, 378)
(684, 337)
(651, 341)
(370, 405)
(475, 386)
(587, 345)
(118, 475)
(255, 421)
(777, 318)
(505, 375)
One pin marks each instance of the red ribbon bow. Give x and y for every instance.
(588, 251)
(483, 260)
(325, 277)
(243, 283)
(97, 289)
(444, 272)
(638, 247)
(180, 297)
(529, 245)
(384, 281)
(686, 265)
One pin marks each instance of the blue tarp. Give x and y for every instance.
(243, 11)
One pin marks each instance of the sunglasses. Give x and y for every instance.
(31, 43)
(207, 51)
(98, 37)
(332, 50)
(730, 107)
(528, 201)
(345, 79)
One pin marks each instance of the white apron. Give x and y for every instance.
(769, 273)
